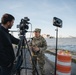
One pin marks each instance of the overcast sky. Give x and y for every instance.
(41, 13)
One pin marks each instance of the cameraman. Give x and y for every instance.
(7, 55)
(38, 45)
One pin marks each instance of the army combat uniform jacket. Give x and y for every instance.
(40, 42)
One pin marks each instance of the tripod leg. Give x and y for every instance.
(34, 59)
(34, 63)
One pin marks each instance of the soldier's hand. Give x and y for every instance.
(36, 49)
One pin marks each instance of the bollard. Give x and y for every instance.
(63, 63)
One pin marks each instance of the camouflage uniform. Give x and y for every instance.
(40, 42)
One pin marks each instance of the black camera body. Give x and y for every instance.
(24, 24)
(57, 22)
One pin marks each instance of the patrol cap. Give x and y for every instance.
(37, 30)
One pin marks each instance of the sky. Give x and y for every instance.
(41, 13)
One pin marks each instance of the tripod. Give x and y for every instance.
(21, 56)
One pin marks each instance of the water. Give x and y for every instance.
(63, 43)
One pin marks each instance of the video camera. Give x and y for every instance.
(24, 24)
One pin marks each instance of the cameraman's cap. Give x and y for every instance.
(37, 30)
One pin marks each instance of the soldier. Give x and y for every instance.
(38, 46)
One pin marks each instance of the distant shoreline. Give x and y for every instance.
(60, 37)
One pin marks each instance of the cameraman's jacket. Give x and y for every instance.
(7, 55)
